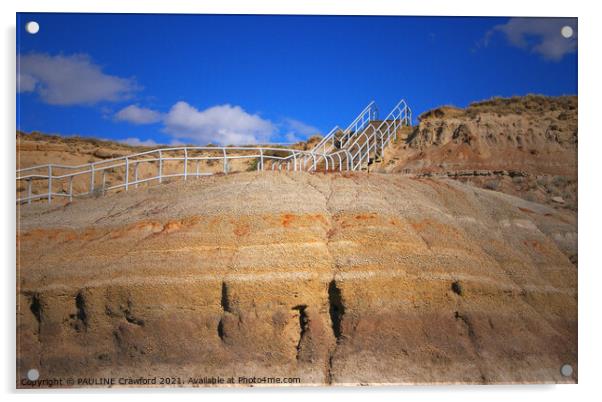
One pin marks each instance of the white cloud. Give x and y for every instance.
(539, 35)
(291, 137)
(297, 127)
(178, 143)
(138, 115)
(138, 142)
(222, 124)
(70, 80)
(25, 83)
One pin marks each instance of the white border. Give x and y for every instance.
(590, 147)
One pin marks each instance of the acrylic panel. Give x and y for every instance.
(279, 200)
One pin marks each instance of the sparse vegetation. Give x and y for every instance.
(503, 106)
(253, 165)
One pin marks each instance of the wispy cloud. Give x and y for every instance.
(298, 127)
(25, 82)
(222, 124)
(291, 137)
(538, 35)
(138, 115)
(138, 142)
(70, 80)
(292, 130)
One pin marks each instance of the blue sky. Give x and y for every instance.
(173, 79)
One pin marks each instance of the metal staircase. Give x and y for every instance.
(370, 144)
(357, 146)
(352, 149)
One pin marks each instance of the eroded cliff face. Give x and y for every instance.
(336, 279)
(524, 146)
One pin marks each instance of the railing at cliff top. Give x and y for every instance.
(360, 123)
(62, 176)
(373, 140)
(327, 144)
(361, 139)
(337, 136)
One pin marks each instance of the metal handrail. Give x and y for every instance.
(193, 148)
(131, 163)
(399, 115)
(325, 139)
(370, 112)
(341, 159)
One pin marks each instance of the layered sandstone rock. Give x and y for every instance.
(336, 279)
(524, 146)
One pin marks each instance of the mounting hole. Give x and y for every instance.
(33, 374)
(566, 32)
(566, 370)
(32, 27)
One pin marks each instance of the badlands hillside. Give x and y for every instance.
(424, 272)
(525, 146)
(335, 279)
(36, 148)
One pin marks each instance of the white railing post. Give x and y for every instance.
(127, 173)
(185, 163)
(104, 181)
(91, 178)
(29, 191)
(49, 184)
(260, 167)
(160, 167)
(225, 161)
(136, 173)
(70, 188)
(294, 161)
